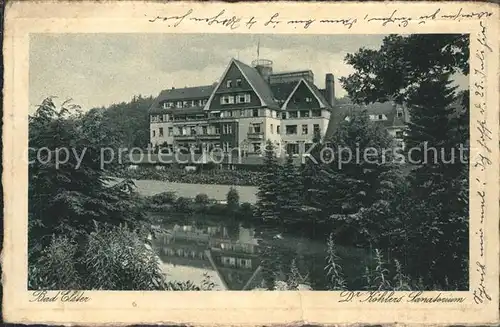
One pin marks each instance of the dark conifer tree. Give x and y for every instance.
(438, 184)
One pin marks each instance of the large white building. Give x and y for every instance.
(252, 104)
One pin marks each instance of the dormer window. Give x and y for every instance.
(238, 82)
(229, 83)
(400, 113)
(380, 117)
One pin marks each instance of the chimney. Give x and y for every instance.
(330, 88)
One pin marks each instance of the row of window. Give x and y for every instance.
(228, 129)
(293, 129)
(185, 103)
(236, 114)
(231, 99)
(194, 130)
(236, 262)
(184, 253)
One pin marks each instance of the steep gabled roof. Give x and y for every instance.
(281, 91)
(387, 108)
(317, 93)
(261, 87)
(314, 90)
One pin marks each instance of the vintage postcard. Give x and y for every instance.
(251, 163)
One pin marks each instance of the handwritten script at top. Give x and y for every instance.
(483, 160)
(233, 22)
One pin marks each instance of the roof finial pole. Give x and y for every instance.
(258, 49)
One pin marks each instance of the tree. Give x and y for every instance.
(70, 197)
(129, 121)
(233, 199)
(202, 199)
(269, 188)
(66, 198)
(267, 209)
(439, 186)
(290, 193)
(357, 176)
(402, 63)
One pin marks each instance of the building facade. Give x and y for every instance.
(247, 107)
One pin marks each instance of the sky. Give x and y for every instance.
(97, 70)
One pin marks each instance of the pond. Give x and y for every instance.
(196, 248)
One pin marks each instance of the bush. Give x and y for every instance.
(233, 199)
(201, 199)
(183, 204)
(110, 258)
(164, 198)
(246, 210)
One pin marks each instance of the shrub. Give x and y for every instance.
(183, 204)
(246, 210)
(164, 198)
(201, 199)
(110, 258)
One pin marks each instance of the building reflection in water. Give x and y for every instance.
(228, 254)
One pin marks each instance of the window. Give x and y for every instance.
(225, 146)
(154, 133)
(255, 113)
(309, 100)
(399, 134)
(316, 113)
(304, 130)
(293, 114)
(165, 105)
(291, 129)
(192, 130)
(229, 83)
(274, 113)
(256, 147)
(316, 128)
(400, 113)
(292, 148)
(278, 129)
(204, 130)
(272, 129)
(380, 117)
(161, 131)
(227, 128)
(170, 131)
(200, 103)
(179, 104)
(283, 115)
(255, 128)
(227, 99)
(238, 82)
(242, 113)
(185, 104)
(304, 113)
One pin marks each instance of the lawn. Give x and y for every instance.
(217, 192)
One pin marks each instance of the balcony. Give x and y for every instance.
(179, 137)
(194, 137)
(255, 135)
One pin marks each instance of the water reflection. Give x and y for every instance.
(227, 254)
